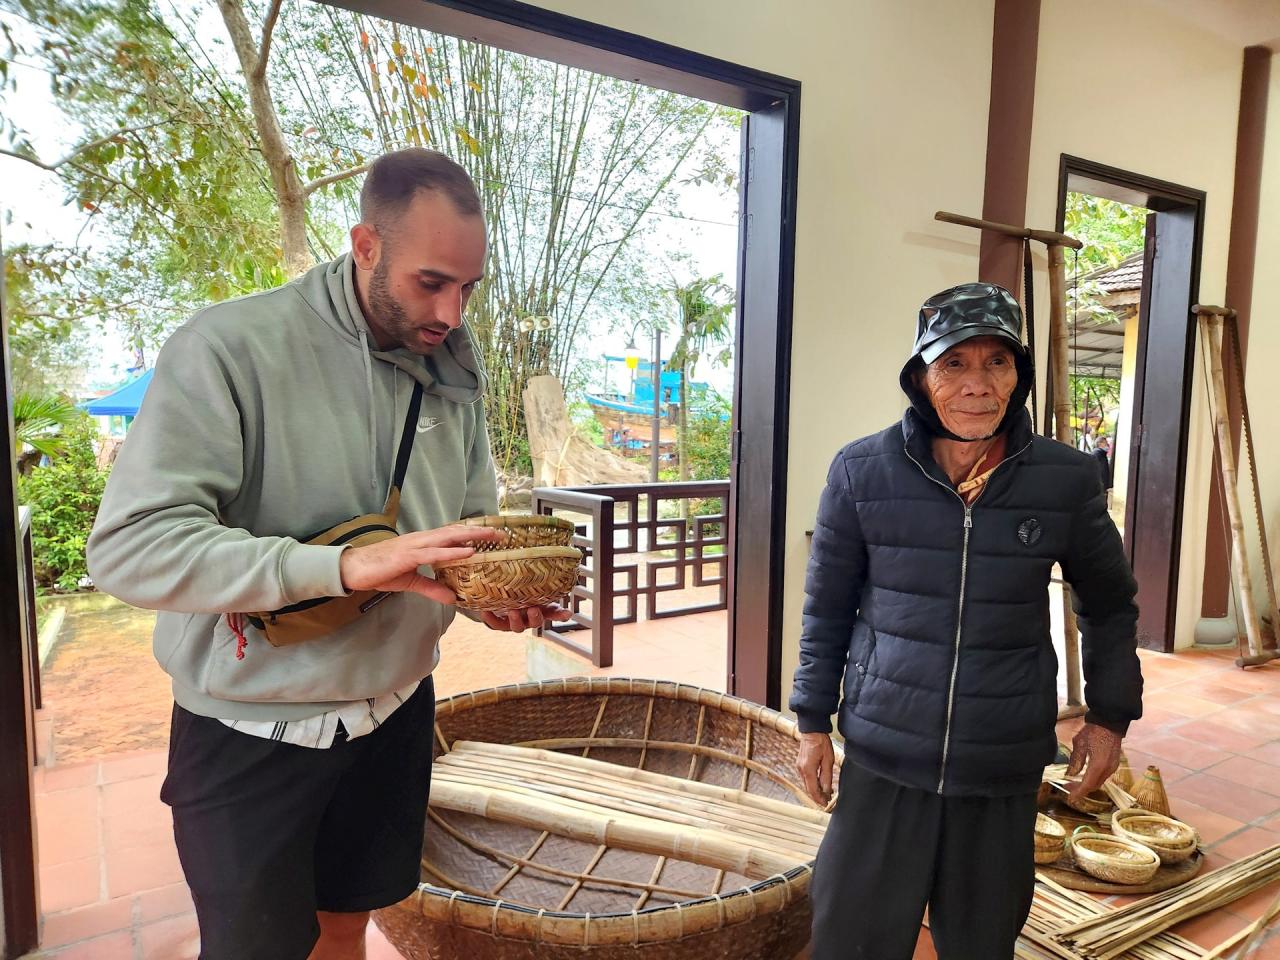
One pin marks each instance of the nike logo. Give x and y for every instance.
(428, 423)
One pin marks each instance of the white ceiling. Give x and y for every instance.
(1246, 22)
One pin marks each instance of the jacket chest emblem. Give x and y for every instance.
(1030, 531)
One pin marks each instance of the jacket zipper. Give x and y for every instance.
(964, 578)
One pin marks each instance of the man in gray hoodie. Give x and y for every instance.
(298, 775)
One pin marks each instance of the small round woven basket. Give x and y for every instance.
(499, 891)
(511, 579)
(1172, 840)
(1113, 859)
(1050, 840)
(522, 530)
(1091, 803)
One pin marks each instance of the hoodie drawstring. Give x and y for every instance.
(373, 425)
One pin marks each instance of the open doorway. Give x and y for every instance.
(1131, 357)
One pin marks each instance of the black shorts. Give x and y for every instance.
(268, 833)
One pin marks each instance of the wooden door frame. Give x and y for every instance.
(766, 257)
(1155, 542)
(19, 892)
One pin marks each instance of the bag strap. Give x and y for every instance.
(406, 437)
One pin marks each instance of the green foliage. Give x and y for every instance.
(582, 417)
(178, 204)
(1111, 231)
(39, 423)
(64, 499)
(710, 439)
(44, 355)
(171, 177)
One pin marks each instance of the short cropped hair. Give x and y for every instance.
(395, 179)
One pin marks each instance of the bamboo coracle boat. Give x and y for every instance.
(611, 818)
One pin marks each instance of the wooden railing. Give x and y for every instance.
(617, 521)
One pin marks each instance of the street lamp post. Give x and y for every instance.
(633, 361)
(657, 405)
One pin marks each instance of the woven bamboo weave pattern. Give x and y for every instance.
(676, 763)
(512, 579)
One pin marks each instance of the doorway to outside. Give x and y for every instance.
(1132, 337)
(762, 322)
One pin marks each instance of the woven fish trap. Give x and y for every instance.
(521, 530)
(512, 579)
(539, 888)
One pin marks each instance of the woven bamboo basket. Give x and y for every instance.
(1172, 840)
(521, 530)
(1050, 839)
(496, 890)
(1113, 859)
(1091, 803)
(512, 579)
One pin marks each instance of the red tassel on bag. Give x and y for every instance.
(236, 622)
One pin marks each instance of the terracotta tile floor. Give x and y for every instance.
(110, 881)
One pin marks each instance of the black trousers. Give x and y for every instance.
(269, 833)
(891, 850)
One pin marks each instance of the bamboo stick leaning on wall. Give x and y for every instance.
(1210, 321)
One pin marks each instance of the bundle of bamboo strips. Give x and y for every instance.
(1054, 906)
(1108, 936)
(607, 804)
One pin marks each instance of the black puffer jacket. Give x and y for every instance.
(941, 612)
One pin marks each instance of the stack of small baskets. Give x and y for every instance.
(532, 565)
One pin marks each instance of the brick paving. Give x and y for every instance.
(110, 883)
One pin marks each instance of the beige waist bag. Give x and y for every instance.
(310, 619)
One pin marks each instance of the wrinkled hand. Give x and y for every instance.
(518, 621)
(391, 566)
(815, 765)
(1096, 751)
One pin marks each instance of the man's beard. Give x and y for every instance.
(385, 310)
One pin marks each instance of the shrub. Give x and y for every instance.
(64, 497)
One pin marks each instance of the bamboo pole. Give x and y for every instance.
(1211, 326)
(1009, 230)
(554, 744)
(707, 847)
(1058, 370)
(659, 802)
(502, 856)
(671, 809)
(567, 799)
(551, 764)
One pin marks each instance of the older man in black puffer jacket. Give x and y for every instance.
(928, 591)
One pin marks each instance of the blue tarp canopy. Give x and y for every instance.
(124, 402)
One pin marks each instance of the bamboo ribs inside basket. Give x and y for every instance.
(606, 804)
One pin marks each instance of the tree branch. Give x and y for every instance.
(315, 185)
(105, 138)
(268, 27)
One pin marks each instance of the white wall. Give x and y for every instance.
(1126, 85)
(893, 127)
(1264, 350)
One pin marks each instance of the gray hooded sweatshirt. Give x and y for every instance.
(270, 418)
